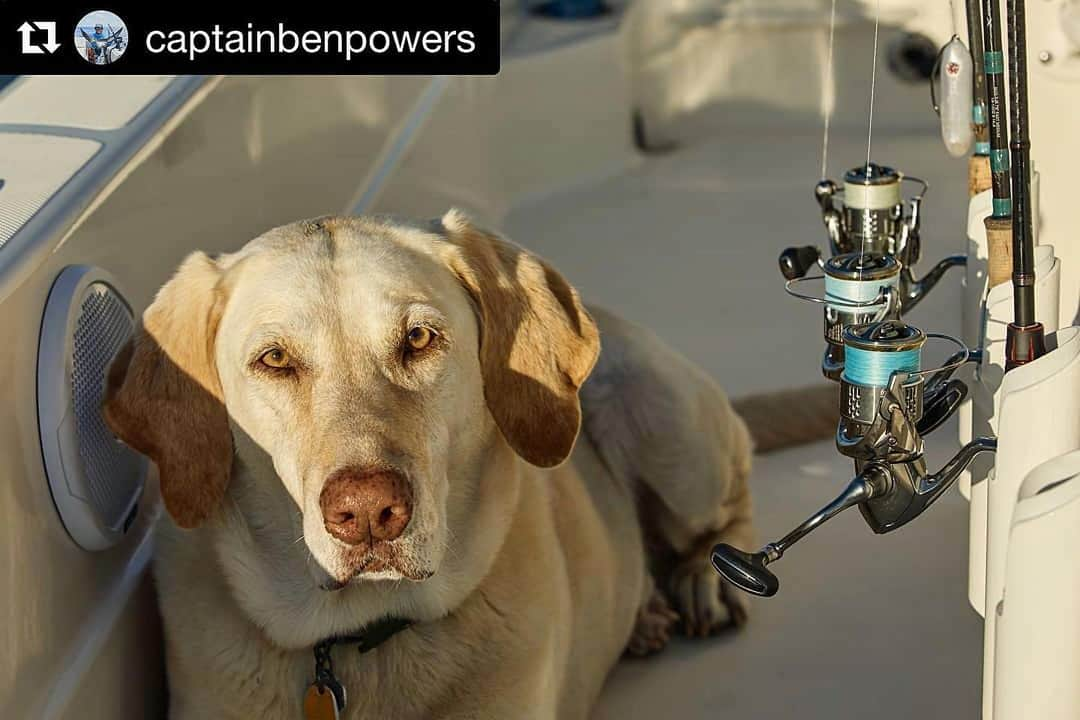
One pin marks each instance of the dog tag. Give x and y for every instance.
(320, 703)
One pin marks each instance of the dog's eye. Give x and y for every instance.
(419, 338)
(276, 358)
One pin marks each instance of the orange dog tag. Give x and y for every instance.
(319, 704)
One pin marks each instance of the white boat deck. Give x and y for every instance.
(686, 243)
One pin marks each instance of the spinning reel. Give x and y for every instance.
(872, 241)
(887, 404)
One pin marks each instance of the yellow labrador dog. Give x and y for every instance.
(367, 435)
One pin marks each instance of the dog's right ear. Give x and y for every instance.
(163, 395)
(537, 341)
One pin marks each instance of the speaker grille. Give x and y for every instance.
(95, 480)
(103, 325)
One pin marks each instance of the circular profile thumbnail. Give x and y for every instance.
(101, 37)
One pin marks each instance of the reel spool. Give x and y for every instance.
(859, 288)
(873, 352)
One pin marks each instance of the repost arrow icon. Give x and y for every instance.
(50, 44)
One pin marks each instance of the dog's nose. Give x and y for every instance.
(361, 506)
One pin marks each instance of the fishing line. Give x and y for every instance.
(952, 19)
(870, 121)
(830, 98)
(874, 368)
(873, 85)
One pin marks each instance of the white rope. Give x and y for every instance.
(830, 99)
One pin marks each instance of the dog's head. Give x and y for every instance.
(374, 363)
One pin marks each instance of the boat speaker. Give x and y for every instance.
(96, 481)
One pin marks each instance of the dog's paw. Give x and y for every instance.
(653, 629)
(706, 602)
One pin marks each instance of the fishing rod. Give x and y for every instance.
(979, 164)
(998, 114)
(1025, 340)
(999, 223)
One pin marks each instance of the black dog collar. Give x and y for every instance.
(366, 639)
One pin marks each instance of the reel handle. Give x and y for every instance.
(889, 495)
(795, 262)
(747, 571)
(744, 570)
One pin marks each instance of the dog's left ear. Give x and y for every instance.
(537, 342)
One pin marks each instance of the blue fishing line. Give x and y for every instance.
(845, 292)
(869, 367)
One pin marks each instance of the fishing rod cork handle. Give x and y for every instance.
(999, 241)
(979, 175)
(795, 262)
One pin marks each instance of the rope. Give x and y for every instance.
(787, 418)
